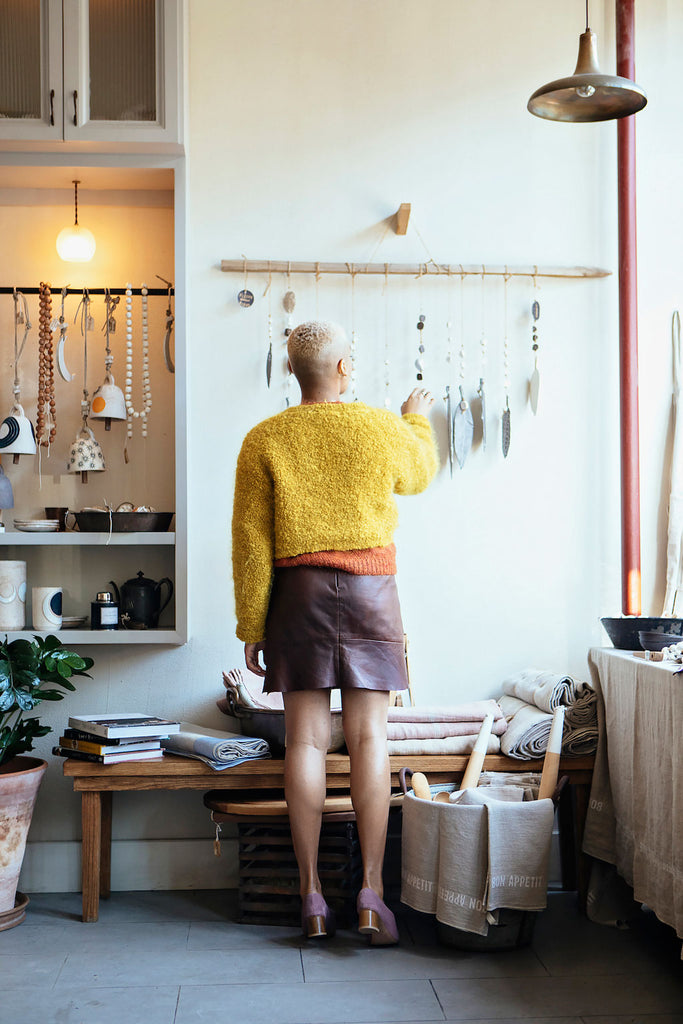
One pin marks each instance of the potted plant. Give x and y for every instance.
(30, 672)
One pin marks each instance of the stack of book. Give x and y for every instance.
(111, 739)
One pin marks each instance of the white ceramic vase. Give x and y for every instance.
(12, 595)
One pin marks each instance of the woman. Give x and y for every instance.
(314, 565)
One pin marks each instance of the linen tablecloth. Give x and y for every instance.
(635, 815)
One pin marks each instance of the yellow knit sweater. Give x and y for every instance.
(319, 478)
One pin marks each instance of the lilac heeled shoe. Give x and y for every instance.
(317, 920)
(375, 919)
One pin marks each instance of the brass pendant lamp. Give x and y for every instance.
(587, 95)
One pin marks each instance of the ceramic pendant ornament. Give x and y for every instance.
(463, 430)
(269, 363)
(506, 431)
(449, 426)
(535, 381)
(245, 298)
(62, 326)
(482, 396)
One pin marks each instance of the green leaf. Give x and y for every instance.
(63, 669)
(74, 660)
(51, 695)
(26, 701)
(26, 678)
(52, 643)
(7, 700)
(50, 663)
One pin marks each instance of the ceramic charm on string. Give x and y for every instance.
(483, 344)
(535, 379)
(354, 337)
(463, 421)
(85, 454)
(269, 356)
(17, 436)
(245, 298)
(108, 402)
(60, 324)
(505, 436)
(133, 413)
(387, 351)
(46, 416)
(288, 304)
(447, 396)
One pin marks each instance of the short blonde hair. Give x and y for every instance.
(315, 347)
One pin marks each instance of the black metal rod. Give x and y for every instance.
(4, 290)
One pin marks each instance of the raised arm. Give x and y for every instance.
(416, 456)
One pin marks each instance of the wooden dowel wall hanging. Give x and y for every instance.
(412, 269)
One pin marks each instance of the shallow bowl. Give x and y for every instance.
(657, 641)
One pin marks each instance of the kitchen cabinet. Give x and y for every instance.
(91, 70)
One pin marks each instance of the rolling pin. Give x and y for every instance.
(470, 779)
(551, 762)
(421, 786)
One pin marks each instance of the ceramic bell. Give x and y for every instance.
(85, 454)
(17, 436)
(108, 402)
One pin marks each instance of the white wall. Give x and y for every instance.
(309, 123)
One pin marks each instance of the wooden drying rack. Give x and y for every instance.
(427, 269)
(5, 290)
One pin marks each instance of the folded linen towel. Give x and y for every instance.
(461, 861)
(471, 711)
(526, 736)
(220, 750)
(437, 730)
(448, 745)
(547, 690)
(584, 710)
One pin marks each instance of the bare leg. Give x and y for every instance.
(307, 723)
(364, 714)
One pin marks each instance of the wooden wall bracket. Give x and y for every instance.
(402, 218)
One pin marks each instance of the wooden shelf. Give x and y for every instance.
(75, 539)
(80, 637)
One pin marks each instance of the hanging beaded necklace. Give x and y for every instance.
(134, 413)
(46, 416)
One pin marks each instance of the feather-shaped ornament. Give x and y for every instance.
(463, 430)
(506, 430)
(449, 426)
(534, 387)
(269, 363)
(481, 391)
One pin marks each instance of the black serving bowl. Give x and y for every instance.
(623, 631)
(123, 522)
(657, 641)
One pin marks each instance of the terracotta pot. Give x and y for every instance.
(19, 782)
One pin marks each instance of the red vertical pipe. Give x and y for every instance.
(628, 324)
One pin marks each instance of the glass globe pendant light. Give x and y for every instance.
(76, 244)
(587, 95)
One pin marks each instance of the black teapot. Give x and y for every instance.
(139, 601)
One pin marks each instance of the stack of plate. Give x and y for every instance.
(37, 525)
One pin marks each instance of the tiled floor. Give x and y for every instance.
(180, 958)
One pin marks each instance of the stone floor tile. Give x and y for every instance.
(641, 1018)
(497, 999)
(177, 905)
(36, 970)
(101, 1006)
(232, 935)
(329, 1003)
(101, 936)
(129, 967)
(350, 959)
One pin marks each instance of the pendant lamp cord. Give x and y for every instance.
(75, 202)
(587, 29)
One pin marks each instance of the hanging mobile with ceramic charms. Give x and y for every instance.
(481, 390)
(463, 421)
(387, 364)
(289, 305)
(420, 362)
(505, 439)
(245, 297)
(269, 357)
(535, 380)
(447, 396)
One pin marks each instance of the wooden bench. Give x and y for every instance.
(96, 783)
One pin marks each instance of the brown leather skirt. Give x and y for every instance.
(329, 628)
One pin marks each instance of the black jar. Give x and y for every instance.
(104, 612)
